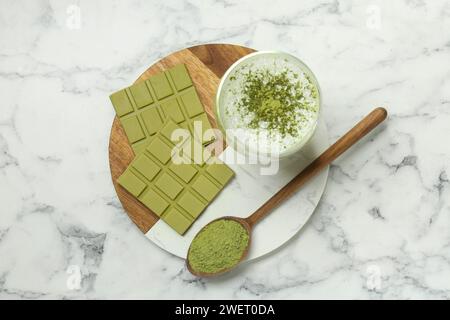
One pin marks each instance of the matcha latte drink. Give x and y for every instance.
(268, 104)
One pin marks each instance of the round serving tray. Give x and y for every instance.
(206, 65)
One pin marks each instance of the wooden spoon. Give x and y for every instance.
(350, 138)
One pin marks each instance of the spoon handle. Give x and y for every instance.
(350, 138)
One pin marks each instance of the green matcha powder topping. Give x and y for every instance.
(274, 99)
(218, 246)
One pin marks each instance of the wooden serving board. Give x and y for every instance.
(206, 65)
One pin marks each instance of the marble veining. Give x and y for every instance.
(381, 230)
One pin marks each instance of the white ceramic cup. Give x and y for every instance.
(244, 147)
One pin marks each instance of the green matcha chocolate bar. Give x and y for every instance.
(143, 107)
(176, 192)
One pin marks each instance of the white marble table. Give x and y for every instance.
(382, 229)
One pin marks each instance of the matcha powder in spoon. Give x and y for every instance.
(218, 246)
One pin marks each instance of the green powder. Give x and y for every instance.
(276, 99)
(218, 246)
